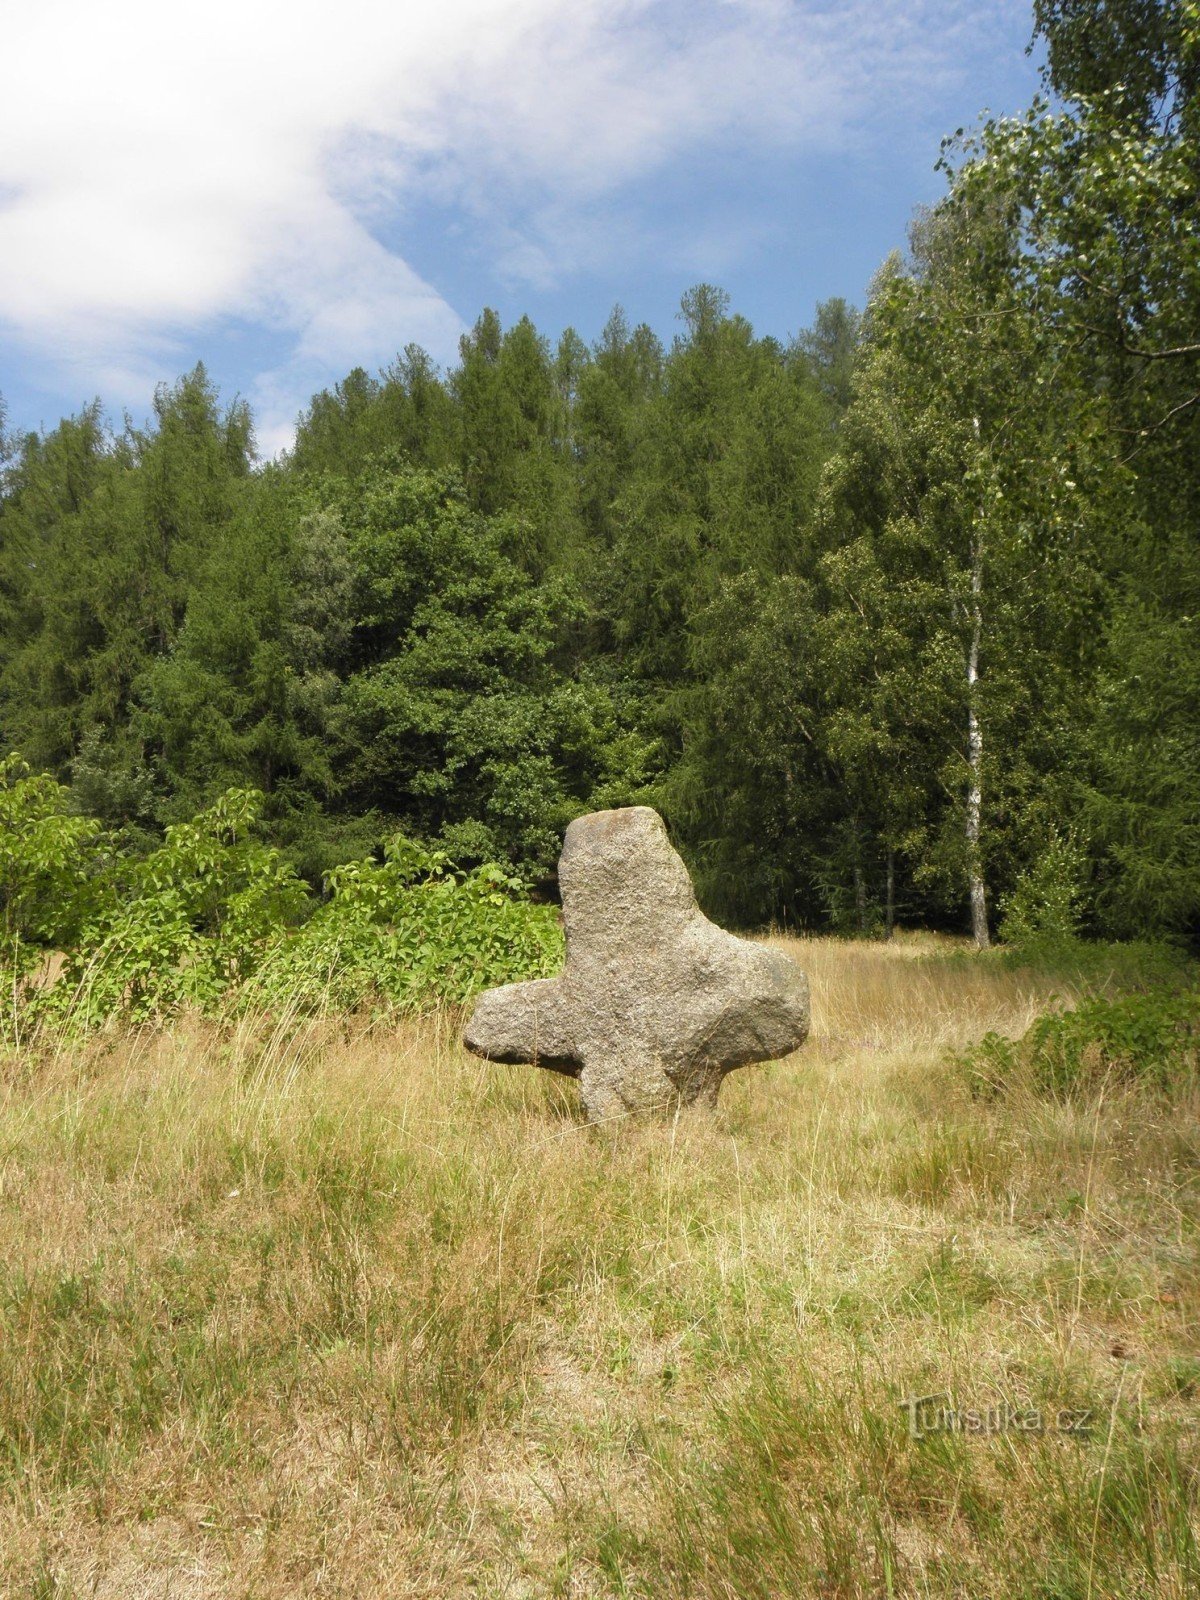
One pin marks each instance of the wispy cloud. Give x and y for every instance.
(165, 168)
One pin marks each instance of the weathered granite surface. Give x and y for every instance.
(655, 1003)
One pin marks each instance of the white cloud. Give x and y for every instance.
(165, 167)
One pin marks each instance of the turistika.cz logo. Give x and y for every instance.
(935, 1413)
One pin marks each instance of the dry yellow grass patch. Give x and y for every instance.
(326, 1310)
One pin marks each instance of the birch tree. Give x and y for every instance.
(955, 482)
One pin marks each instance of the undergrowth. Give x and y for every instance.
(218, 920)
(1152, 1038)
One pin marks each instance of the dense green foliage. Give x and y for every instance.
(899, 619)
(215, 918)
(1151, 1037)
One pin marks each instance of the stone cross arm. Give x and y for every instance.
(655, 1003)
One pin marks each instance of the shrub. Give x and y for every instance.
(46, 861)
(1044, 906)
(407, 933)
(217, 919)
(1097, 965)
(184, 924)
(1152, 1038)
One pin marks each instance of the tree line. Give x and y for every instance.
(895, 619)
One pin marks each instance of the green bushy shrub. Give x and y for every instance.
(1152, 1038)
(217, 919)
(183, 925)
(1044, 907)
(1096, 965)
(46, 858)
(409, 932)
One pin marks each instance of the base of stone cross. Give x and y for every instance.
(655, 1003)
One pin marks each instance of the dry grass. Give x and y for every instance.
(332, 1312)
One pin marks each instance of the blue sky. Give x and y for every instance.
(286, 190)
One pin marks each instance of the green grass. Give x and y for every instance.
(343, 1311)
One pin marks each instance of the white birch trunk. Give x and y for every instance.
(889, 915)
(978, 889)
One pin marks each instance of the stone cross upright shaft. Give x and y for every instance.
(655, 1003)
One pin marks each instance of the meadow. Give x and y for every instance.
(311, 1306)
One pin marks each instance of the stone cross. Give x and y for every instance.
(656, 1003)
